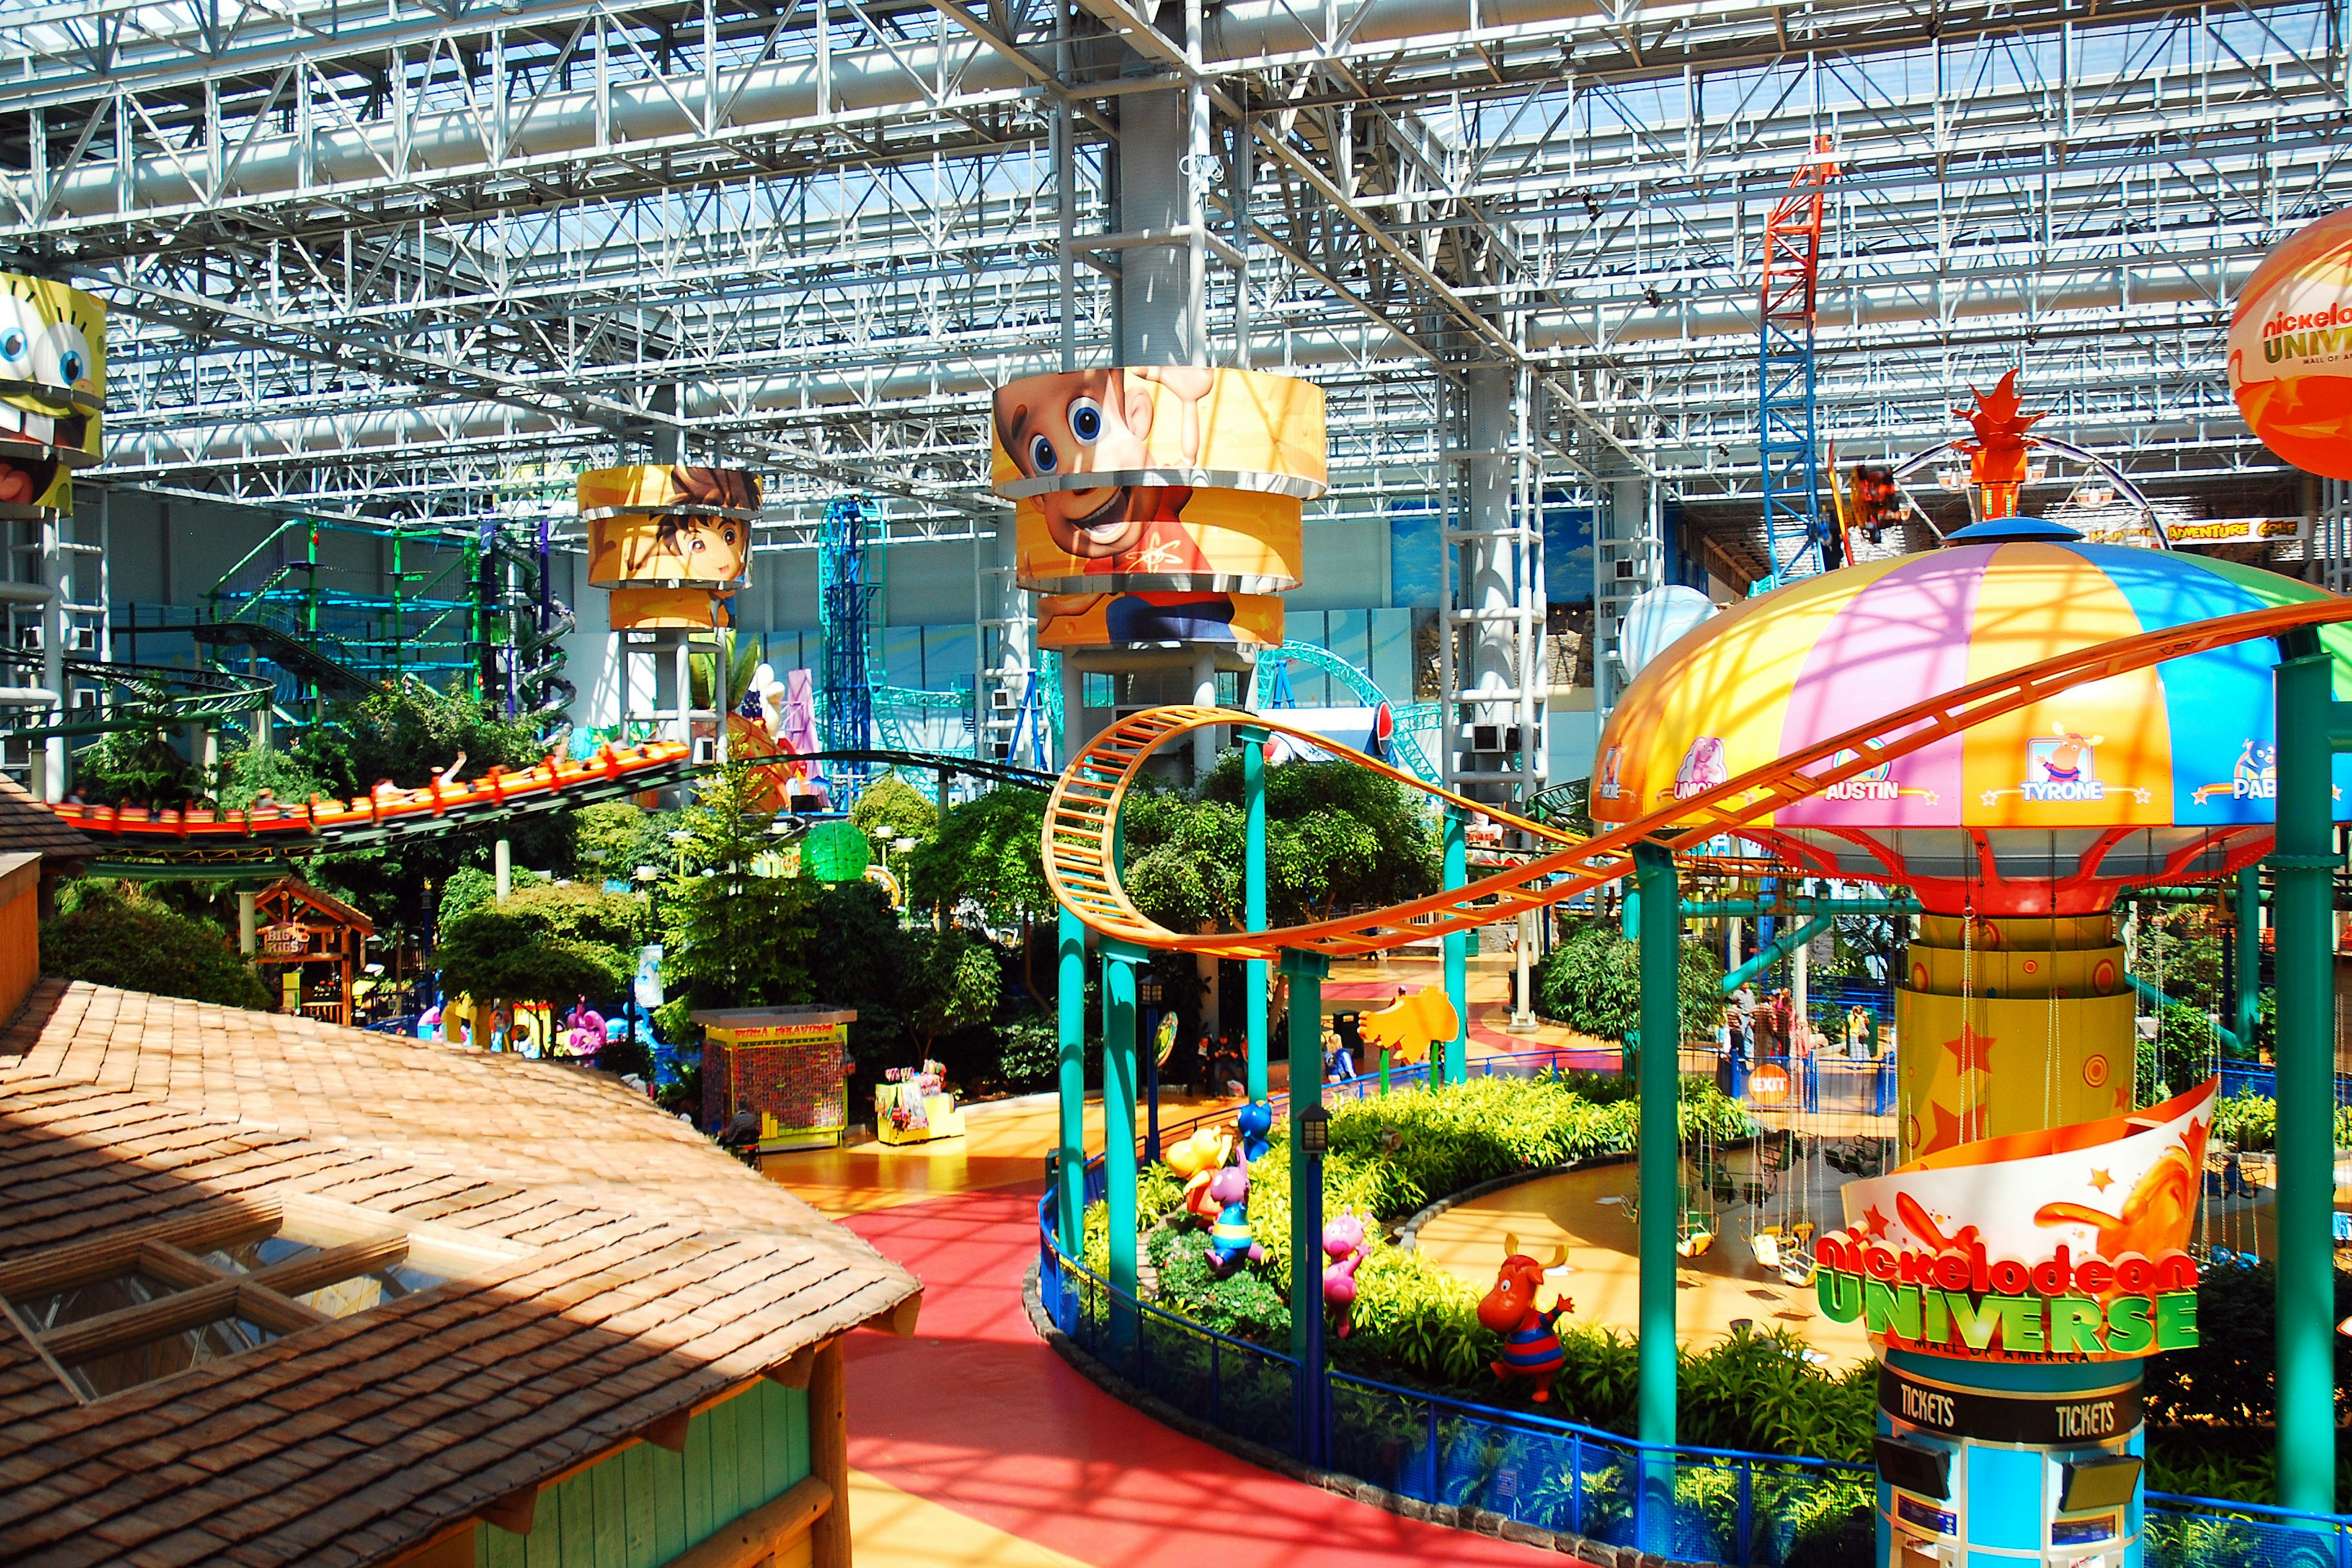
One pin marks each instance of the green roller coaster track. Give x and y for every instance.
(1417, 723)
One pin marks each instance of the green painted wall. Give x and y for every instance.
(644, 1505)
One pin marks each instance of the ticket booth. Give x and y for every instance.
(789, 1064)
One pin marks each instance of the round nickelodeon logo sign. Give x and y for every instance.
(2290, 353)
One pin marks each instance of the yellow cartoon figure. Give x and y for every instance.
(52, 389)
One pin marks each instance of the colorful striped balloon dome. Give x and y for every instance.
(2160, 773)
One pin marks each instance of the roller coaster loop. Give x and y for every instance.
(1082, 815)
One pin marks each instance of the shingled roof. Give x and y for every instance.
(27, 825)
(643, 1274)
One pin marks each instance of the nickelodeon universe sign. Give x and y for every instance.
(2288, 335)
(1959, 1302)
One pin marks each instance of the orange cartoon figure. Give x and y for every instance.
(1100, 422)
(1997, 456)
(2062, 763)
(1408, 1025)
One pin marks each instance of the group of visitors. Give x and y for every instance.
(1755, 1025)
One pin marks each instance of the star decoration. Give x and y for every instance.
(1873, 1222)
(1947, 1134)
(2101, 1181)
(1971, 1051)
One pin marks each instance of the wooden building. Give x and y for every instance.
(29, 828)
(310, 946)
(277, 1291)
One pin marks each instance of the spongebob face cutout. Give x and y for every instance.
(52, 389)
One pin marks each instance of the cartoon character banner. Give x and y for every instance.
(1079, 435)
(1158, 536)
(52, 392)
(1109, 620)
(2067, 1244)
(671, 525)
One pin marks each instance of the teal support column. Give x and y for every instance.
(1659, 1175)
(1778, 948)
(1457, 946)
(2303, 869)
(1253, 970)
(2250, 956)
(1305, 971)
(1070, 1006)
(1120, 960)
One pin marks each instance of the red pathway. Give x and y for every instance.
(979, 1416)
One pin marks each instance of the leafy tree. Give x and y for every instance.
(612, 838)
(138, 764)
(249, 773)
(1593, 983)
(952, 982)
(731, 938)
(857, 958)
(1336, 838)
(112, 933)
(986, 854)
(544, 943)
(890, 801)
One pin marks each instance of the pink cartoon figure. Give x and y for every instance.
(1703, 768)
(1344, 1244)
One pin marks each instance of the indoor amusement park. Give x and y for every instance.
(1559, 784)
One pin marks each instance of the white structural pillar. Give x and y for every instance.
(53, 655)
(1204, 695)
(248, 921)
(502, 860)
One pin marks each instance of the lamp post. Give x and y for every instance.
(1314, 1143)
(1149, 990)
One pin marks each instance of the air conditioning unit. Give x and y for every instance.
(1003, 699)
(86, 701)
(29, 638)
(706, 749)
(85, 640)
(1493, 737)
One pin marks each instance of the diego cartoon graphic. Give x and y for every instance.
(699, 546)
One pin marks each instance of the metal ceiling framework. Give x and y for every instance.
(411, 259)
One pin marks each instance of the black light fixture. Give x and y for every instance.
(1149, 989)
(1315, 1132)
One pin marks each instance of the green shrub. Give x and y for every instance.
(114, 933)
(1032, 1056)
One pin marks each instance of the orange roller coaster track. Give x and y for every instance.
(1081, 817)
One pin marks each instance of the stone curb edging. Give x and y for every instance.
(1409, 1232)
(1479, 1521)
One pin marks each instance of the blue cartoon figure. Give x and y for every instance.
(1255, 1121)
(1230, 1240)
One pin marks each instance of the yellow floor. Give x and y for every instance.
(893, 1528)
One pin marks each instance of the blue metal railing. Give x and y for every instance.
(1721, 1505)
(2253, 1078)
